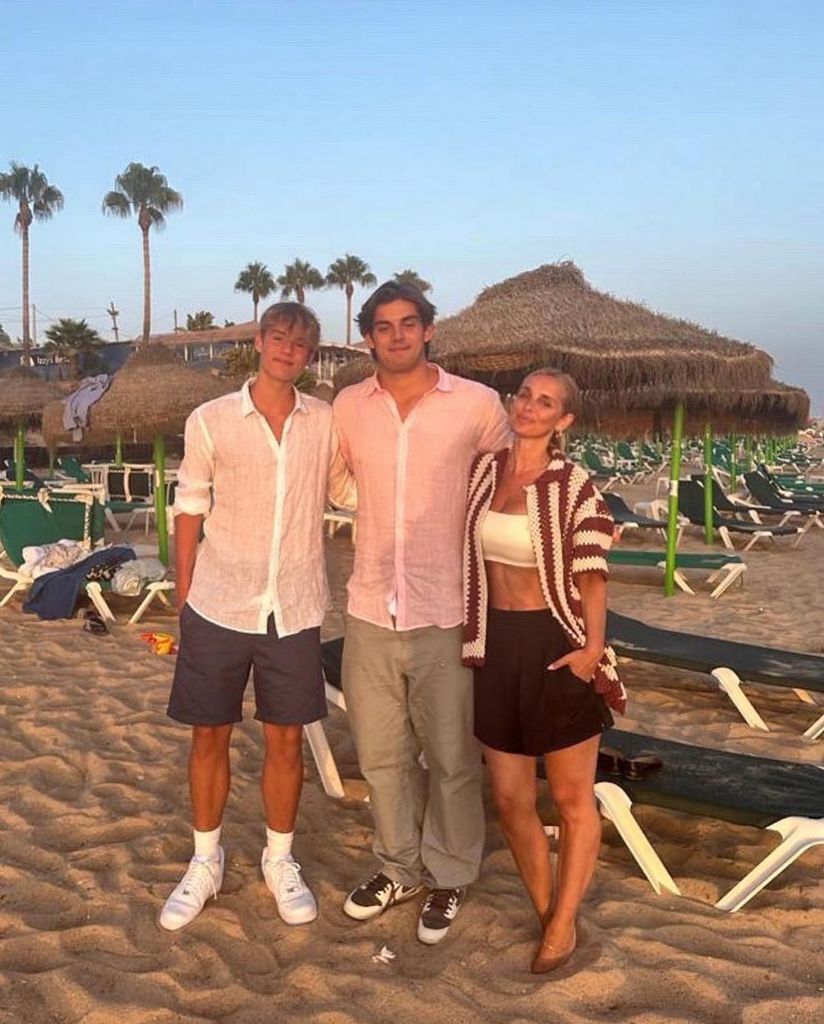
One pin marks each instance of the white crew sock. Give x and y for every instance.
(279, 844)
(206, 844)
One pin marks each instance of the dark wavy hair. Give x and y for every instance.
(391, 291)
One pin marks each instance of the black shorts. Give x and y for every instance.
(213, 668)
(521, 707)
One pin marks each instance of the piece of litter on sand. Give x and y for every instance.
(386, 956)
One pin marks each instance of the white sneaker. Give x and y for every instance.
(296, 904)
(202, 880)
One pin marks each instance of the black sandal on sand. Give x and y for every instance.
(93, 623)
(613, 762)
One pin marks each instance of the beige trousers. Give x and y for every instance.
(406, 694)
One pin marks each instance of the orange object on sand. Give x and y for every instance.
(160, 643)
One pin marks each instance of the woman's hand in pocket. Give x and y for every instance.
(581, 663)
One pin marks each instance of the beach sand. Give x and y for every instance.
(94, 834)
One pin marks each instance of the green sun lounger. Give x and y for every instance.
(782, 796)
(725, 569)
(46, 517)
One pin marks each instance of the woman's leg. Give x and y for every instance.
(514, 789)
(571, 776)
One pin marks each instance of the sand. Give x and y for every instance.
(94, 834)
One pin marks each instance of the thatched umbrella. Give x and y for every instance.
(151, 396)
(23, 395)
(552, 316)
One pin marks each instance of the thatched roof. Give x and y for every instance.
(552, 316)
(773, 408)
(153, 393)
(23, 395)
(237, 332)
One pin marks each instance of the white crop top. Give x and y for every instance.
(505, 538)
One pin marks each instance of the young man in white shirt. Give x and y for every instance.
(252, 595)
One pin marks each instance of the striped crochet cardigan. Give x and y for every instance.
(571, 530)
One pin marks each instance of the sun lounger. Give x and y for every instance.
(728, 662)
(592, 462)
(782, 796)
(626, 519)
(331, 653)
(48, 516)
(691, 505)
(728, 568)
(762, 491)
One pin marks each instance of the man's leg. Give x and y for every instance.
(441, 705)
(289, 694)
(209, 775)
(375, 688)
(207, 693)
(281, 779)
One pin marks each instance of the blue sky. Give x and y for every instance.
(673, 150)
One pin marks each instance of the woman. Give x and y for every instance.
(537, 536)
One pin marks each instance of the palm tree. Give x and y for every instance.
(255, 279)
(203, 320)
(70, 339)
(36, 200)
(298, 278)
(345, 273)
(145, 192)
(412, 277)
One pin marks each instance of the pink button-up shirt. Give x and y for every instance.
(411, 478)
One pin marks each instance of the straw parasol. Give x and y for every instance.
(773, 408)
(23, 395)
(151, 396)
(553, 316)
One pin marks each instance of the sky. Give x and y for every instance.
(674, 151)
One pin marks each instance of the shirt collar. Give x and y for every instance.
(443, 383)
(247, 406)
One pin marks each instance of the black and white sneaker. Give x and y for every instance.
(439, 911)
(378, 894)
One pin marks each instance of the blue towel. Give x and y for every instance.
(54, 596)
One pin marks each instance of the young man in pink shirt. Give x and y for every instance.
(409, 434)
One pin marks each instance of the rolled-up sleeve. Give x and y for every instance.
(193, 496)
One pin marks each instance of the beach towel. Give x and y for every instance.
(76, 406)
(54, 596)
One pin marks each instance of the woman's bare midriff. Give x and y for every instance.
(513, 588)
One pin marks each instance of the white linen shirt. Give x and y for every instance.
(263, 503)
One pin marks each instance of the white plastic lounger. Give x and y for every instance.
(782, 796)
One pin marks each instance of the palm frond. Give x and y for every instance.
(117, 204)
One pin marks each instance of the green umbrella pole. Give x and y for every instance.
(708, 532)
(672, 503)
(20, 457)
(160, 498)
(118, 449)
(733, 462)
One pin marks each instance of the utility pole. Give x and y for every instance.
(175, 313)
(114, 314)
(34, 324)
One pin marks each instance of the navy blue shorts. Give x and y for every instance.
(521, 707)
(213, 666)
